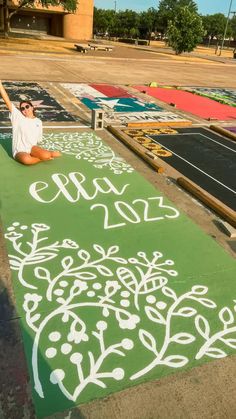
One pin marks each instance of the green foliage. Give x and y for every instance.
(214, 25)
(148, 22)
(103, 20)
(185, 31)
(68, 5)
(169, 8)
(233, 27)
(123, 23)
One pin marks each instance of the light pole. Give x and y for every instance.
(226, 26)
(115, 5)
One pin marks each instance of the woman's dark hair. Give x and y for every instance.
(29, 103)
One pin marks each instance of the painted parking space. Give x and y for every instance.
(205, 158)
(108, 289)
(47, 108)
(202, 107)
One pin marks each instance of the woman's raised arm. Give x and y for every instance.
(5, 97)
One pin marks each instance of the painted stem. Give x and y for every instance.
(158, 360)
(60, 310)
(213, 339)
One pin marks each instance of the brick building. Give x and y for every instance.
(53, 20)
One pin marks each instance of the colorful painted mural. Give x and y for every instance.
(222, 95)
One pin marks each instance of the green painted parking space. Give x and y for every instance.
(113, 285)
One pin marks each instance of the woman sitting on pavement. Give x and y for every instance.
(27, 133)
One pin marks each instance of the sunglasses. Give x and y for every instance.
(25, 107)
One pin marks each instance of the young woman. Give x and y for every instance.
(27, 132)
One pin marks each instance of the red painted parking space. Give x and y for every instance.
(188, 102)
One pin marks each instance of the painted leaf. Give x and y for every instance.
(42, 273)
(85, 275)
(154, 315)
(199, 290)
(207, 303)
(35, 317)
(202, 326)
(226, 316)
(60, 300)
(230, 342)
(105, 312)
(84, 255)
(148, 341)
(103, 161)
(67, 262)
(127, 278)
(175, 361)
(40, 257)
(104, 270)
(98, 249)
(14, 264)
(152, 283)
(168, 292)
(186, 312)
(133, 260)
(120, 260)
(183, 338)
(113, 249)
(65, 317)
(215, 353)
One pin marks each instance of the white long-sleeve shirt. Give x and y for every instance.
(26, 132)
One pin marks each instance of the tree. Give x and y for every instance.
(103, 20)
(214, 26)
(185, 31)
(148, 22)
(233, 27)
(168, 9)
(127, 20)
(68, 5)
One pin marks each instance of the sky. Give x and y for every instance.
(204, 6)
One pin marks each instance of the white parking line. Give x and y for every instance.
(203, 135)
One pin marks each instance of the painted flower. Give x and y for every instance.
(101, 325)
(113, 285)
(31, 301)
(78, 288)
(40, 227)
(129, 323)
(13, 236)
(77, 336)
(69, 244)
(118, 373)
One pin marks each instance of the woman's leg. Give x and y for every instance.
(40, 153)
(26, 158)
(43, 154)
(55, 153)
